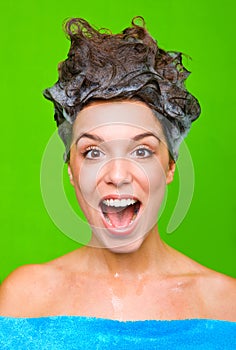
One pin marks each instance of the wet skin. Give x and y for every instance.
(125, 273)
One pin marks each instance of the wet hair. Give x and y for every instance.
(125, 66)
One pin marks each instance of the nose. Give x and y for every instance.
(118, 172)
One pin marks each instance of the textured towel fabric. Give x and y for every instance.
(73, 332)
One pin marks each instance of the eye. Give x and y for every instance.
(142, 152)
(93, 153)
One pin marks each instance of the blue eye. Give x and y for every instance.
(93, 153)
(142, 152)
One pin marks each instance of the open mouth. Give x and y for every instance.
(120, 213)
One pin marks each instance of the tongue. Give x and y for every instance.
(119, 217)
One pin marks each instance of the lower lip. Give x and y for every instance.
(121, 231)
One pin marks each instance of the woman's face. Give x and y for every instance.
(119, 166)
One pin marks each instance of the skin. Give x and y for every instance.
(118, 169)
(115, 274)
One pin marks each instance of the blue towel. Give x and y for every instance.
(75, 332)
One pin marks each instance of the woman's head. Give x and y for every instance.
(126, 66)
(121, 108)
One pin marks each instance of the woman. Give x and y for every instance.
(122, 110)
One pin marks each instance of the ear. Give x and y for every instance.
(170, 172)
(70, 175)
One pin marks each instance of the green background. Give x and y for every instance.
(32, 43)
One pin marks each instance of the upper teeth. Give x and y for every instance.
(119, 202)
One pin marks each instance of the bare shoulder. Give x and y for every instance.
(220, 285)
(31, 290)
(208, 278)
(219, 293)
(26, 288)
(215, 291)
(34, 290)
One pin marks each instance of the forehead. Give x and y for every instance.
(117, 119)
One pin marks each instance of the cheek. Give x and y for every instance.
(155, 191)
(153, 176)
(157, 179)
(86, 185)
(87, 179)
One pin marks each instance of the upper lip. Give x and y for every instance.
(117, 196)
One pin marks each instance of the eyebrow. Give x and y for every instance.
(145, 134)
(99, 139)
(89, 136)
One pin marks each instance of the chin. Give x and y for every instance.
(126, 248)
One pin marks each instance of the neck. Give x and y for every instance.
(151, 257)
